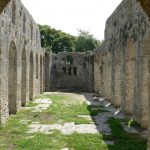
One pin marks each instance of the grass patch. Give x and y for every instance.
(14, 136)
(122, 139)
(31, 104)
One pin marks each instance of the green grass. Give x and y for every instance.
(65, 108)
(31, 104)
(122, 139)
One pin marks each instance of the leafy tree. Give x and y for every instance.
(58, 41)
(85, 42)
(63, 43)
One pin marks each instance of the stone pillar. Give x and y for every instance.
(113, 75)
(117, 86)
(148, 143)
(102, 68)
(142, 92)
(129, 76)
(4, 112)
(145, 93)
(108, 65)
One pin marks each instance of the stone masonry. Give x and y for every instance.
(70, 70)
(119, 70)
(127, 38)
(21, 59)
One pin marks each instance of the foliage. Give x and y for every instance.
(85, 42)
(58, 41)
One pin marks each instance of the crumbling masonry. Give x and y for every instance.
(21, 58)
(119, 70)
(124, 61)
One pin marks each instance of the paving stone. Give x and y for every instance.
(108, 142)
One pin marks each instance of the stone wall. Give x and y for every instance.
(124, 61)
(73, 71)
(21, 59)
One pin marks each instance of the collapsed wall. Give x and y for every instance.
(21, 59)
(70, 70)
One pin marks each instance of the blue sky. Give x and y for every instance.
(71, 15)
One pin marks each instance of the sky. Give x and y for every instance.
(72, 15)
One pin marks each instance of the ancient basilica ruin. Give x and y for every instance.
(119, 70)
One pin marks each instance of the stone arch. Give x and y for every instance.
(12, 79)
(41, 74)
(31, 76)
(130, 67)
(37, 67)
(23, 78)
(13, 12)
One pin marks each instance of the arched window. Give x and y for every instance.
(69, 59)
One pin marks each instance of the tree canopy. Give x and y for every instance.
(59, 41)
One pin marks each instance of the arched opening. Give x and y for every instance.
(12, 79)
(69, 59)
(31, 76)
(41, 75)
(37, 67)
(13, 12)
(23, 78)
(130, 58)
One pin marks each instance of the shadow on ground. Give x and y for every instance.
(109, 123)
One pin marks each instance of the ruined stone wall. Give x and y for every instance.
(20, 59)
(73, 71)
(127, 40)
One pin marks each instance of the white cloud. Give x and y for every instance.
(70, 15)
